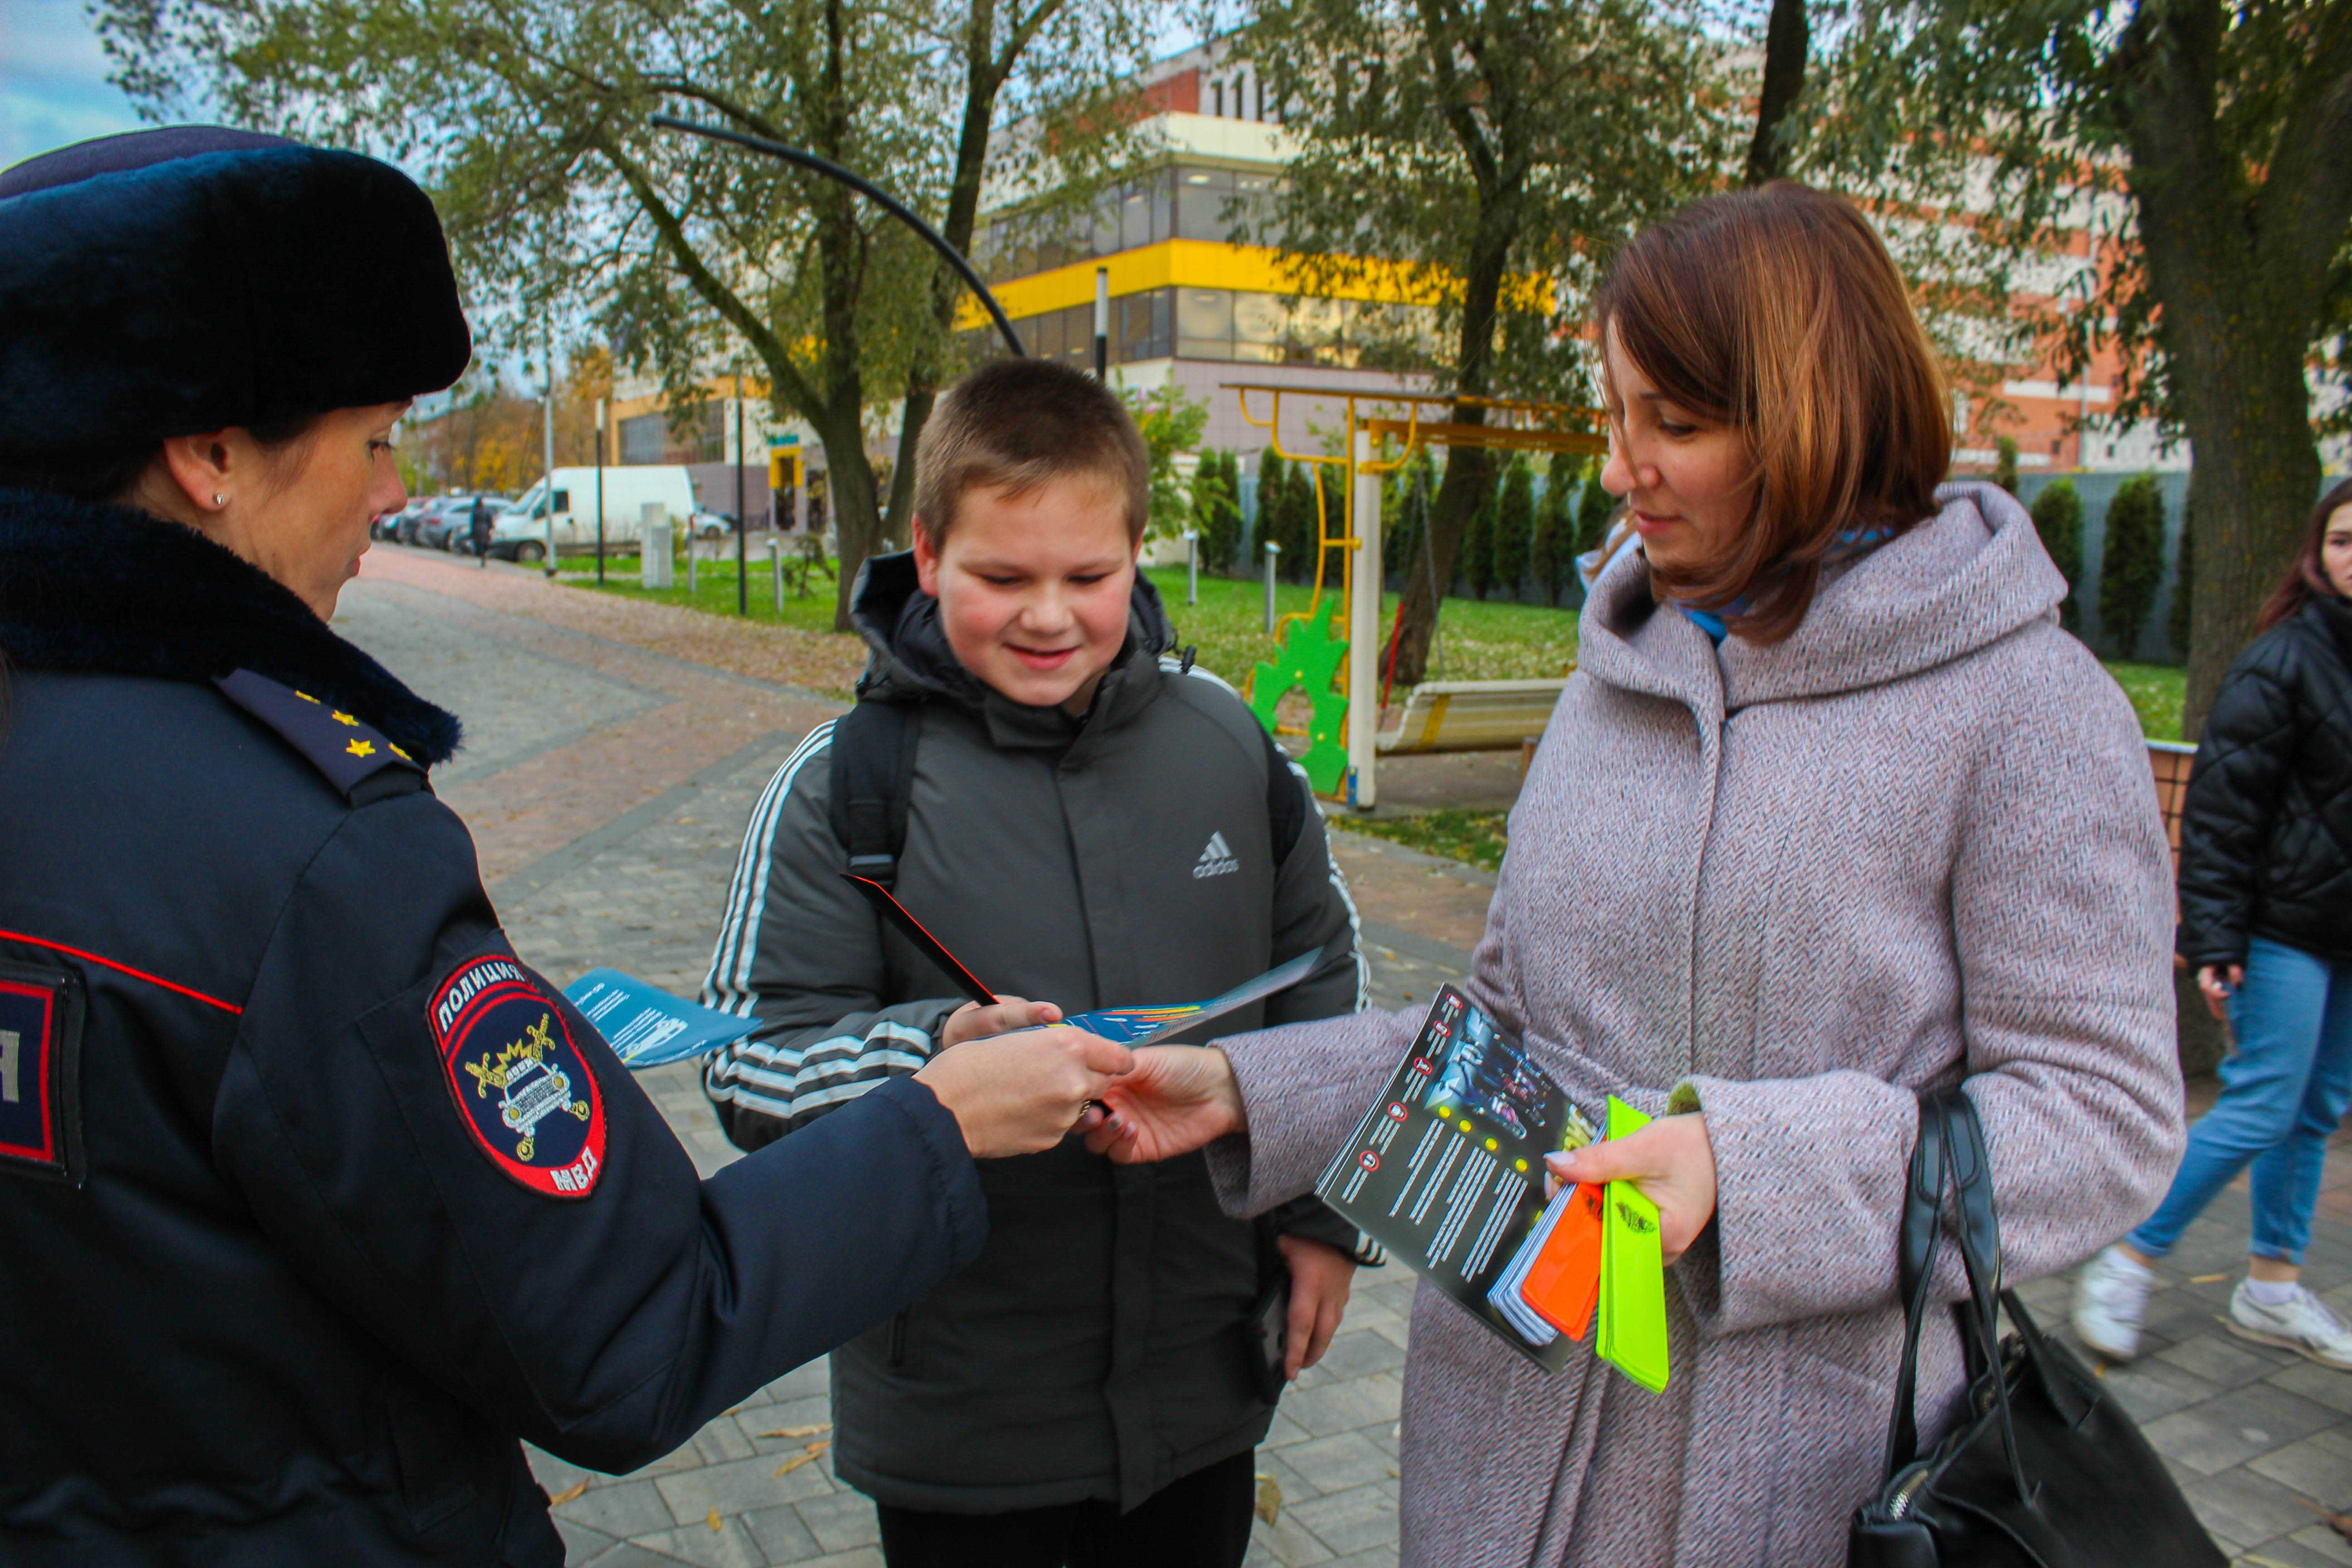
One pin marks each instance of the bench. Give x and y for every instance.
(2169, 761)
(1471, 716)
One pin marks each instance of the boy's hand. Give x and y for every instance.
(973, 1022)
(1176, 1098)
(1022, 1094)
(1320, 1276)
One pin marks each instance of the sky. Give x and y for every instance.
(53, 87)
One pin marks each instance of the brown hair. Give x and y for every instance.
(1015, 423)
(1778, 312)
(2306, 577)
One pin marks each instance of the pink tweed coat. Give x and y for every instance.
(1788, 886)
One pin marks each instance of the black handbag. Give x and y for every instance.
(2042, 1469)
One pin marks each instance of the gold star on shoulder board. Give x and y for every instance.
(396, 751)
(340, 717)
(361, 748)
(306, 696)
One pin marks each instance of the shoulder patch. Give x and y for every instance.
(347, 751)
(40, 1062)
(522, 1087)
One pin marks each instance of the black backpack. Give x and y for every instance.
(873, 763)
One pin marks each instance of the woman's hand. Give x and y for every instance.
(973, 1022)
(2217, 993)
(1320, 1276)
(1022, 1094)
(1670, 1161)
(1174, 1100)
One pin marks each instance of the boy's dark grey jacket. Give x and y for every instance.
(1096, 1348)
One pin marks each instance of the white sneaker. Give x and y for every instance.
(2110, 1299)
(2303, 1325)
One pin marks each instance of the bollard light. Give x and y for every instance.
(1192, 566)
(1272, 550)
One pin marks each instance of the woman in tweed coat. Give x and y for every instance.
(1894, 828)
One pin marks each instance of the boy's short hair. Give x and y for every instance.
(1015, 423)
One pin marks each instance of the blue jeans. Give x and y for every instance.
(2284, 1089)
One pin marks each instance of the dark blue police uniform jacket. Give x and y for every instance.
(312, 1198)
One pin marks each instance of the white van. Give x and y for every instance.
(520, 532)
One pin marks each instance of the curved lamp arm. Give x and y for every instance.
(873, 192)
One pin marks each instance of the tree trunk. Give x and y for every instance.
(1469, 470)
(841, 258)
(850, 493)
(2255, 478)
(1787, 37)
(984, 76)
(2239, 305)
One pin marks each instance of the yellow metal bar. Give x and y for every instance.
(1509, 437)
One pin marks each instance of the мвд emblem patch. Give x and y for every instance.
(521, 1086)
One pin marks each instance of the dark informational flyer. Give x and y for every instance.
(1446, 1168)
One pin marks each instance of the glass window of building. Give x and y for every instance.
(1204, 323)
(1202, 199)
(1259, 322)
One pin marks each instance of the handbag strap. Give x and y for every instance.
(1950, 1148)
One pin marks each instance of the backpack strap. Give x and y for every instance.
(873, 772)
(1286, 813)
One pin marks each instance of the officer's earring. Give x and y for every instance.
(219, 499)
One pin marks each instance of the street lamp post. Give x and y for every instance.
(742, 518)
(1102, 323)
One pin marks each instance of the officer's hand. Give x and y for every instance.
(1021, 1094)
(1177, 1099)
(973, 1022)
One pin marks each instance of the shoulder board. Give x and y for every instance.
(347, 751)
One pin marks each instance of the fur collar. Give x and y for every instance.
(106, 589)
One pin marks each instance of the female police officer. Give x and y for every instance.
(313, 1196)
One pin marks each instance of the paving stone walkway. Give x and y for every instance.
(612, 758)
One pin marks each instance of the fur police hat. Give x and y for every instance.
(188, 278)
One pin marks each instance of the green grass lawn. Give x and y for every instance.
(714, 589)
(1476, 641)
(2157, 694)
(1476, 837)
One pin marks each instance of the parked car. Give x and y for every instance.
(388, 525)
(448, 524)
(522, 530)
(712, 525)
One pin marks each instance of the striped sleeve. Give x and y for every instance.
(801, 953)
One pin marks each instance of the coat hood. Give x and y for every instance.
(1962, 580)
(95, 589)
(910, 660)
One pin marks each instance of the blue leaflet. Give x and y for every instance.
(647, 1026)
(1141, 1025)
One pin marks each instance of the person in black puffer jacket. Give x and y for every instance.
(2266, 922)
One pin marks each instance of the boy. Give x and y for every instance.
(1086, 822)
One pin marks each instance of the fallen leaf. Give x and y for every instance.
(568, 1494)
(799, 1431)
(797, 1460)
(2341, 1523)
(1269, 1499)
(715, 1523)
(2206, 1278)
